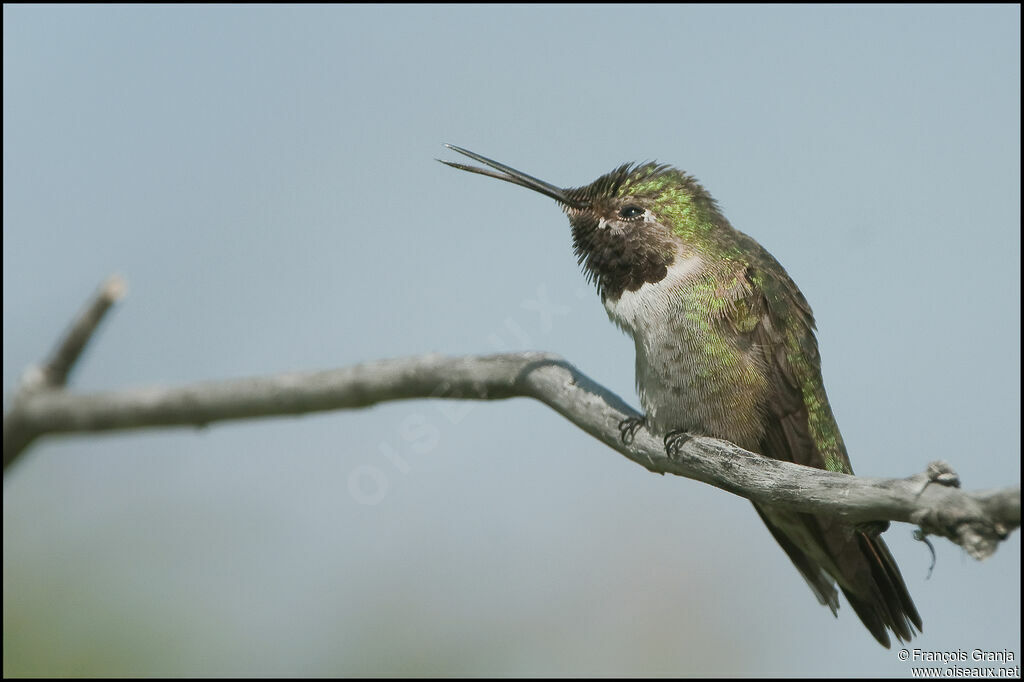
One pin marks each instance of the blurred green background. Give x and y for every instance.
(264, 179)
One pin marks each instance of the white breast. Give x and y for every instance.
(654, 316)
(640, 311)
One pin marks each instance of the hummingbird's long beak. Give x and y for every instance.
(515, 177)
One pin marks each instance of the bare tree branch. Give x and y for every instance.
(977, 521)
(53, 374)
(65, 355)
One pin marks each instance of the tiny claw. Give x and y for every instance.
(628, 428)
(675, 440)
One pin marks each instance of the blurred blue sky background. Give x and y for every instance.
(264, 179)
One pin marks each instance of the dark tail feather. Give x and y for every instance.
(861, 564)
(820, 582)
(888, 605)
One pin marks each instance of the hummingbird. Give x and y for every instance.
(725, 347)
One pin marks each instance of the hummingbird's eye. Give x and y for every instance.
(630, 212)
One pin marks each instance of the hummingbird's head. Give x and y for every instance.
(629, 225)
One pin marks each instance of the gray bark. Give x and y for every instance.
(932, 500)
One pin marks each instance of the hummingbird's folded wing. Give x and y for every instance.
(800, 428)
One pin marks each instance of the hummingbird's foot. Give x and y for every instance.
(675, 440)
(629, 426)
